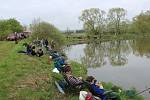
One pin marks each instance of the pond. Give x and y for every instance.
(123, 62)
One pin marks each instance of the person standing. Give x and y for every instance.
(16, 38)
(46, 42)
(52, 44)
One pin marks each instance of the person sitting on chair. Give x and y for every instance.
(33, 53)
(59, 63)
(96, 90)
(74, 81)
(39, 53)
(54, 54)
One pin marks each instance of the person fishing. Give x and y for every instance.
(54, 54)
(97, 90)
(74, 81)
(33, 53)
(59, 62)
(28, 49)
(39, 52)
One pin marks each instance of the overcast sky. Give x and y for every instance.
(64, 13)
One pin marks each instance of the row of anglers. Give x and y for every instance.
(70, 82)
(36, 47)
(32, 50)
(77, 84)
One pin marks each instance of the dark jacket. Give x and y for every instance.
(97, 91)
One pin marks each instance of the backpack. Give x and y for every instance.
(89, 96)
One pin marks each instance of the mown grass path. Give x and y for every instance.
(5, 49)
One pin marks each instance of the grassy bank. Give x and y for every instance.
(19, 73)
(24, 77)
(27, 77)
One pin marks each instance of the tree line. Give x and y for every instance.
(9, 26)
(45, 30)
(115, 22)
(39, 29)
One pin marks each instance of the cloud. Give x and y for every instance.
(63, 13)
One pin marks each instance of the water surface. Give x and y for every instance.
(123, 62)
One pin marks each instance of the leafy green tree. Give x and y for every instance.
(14, 25)
(43, 30)
(93, 20)
(115, 19)
(4, 28)
(141, 23)
(9, 26)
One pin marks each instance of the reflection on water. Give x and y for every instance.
(141, 47)
(113, 52)
(123, 62)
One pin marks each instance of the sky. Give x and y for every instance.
(64, 13)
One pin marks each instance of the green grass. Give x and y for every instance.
(27, 77)
(24, 77)
(17, 69)
(5, 48)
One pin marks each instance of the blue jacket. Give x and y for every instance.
(98, 91)
(55, 55)
(57, 65)
(59, 62)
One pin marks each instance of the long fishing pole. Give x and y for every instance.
(148, 89)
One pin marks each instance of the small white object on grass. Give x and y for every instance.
(50, 57)
(55, 70)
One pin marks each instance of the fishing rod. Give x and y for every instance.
(148, 89)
